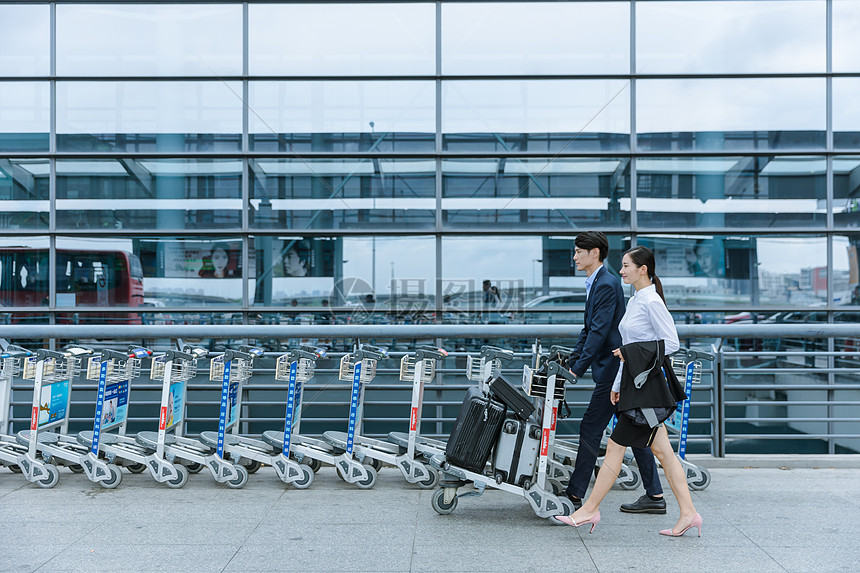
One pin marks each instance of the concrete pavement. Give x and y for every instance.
(758, 519)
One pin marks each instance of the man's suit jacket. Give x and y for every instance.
(603, 311)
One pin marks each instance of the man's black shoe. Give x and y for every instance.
(645, 505)
(577, 503)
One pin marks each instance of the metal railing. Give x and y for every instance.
(772, 388)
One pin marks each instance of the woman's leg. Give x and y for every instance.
(605, 478)
(675, 474)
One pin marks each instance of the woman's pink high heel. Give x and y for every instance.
(697, 523)
(593, 520)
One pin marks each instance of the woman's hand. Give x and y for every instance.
(617, 352)
(614, 397)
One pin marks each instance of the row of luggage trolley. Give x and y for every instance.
(503, 438)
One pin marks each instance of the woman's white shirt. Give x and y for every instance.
(646, 319)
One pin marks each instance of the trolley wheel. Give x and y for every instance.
(76, 468)
(375, 464)
(51, 479)
(432, 479)
(253, 466)
(115, 477)
(307, 478)
(136, 468)
(632, 481)
(438, 502)
(315, 465)
(15, 469)
(701, 483)
(556, 486)
(566, 509)
(181, 477)
(194, 467)
(241, 479)
(370, 481)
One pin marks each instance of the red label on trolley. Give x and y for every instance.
(554, 414)
(413, 420)
(35, 419)
(544, 443)
(163, 420)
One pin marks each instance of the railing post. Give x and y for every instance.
(719, 404)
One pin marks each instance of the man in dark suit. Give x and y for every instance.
(604, 308)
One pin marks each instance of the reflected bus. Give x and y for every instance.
(85, 280)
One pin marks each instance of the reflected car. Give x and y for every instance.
(540, 310)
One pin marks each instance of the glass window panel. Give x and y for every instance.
(536, 38)
(343, 193)
(342, 39)
(846, 191)
(566, 193)
(365, 274)
(149, 116)
(717, 192)
(720, 270)
(549, 115)
(846, 275)
(149, 194)
(24, 193)
(730, 37)
(718, 114)
(342, 116)
(147, 272)
(25, 119)
(26, 33)
(846, 113)
(846, 43)
(149, 40)
(24, 277)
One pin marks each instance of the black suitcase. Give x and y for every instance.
(516, 453)
(475, 431)
(512, 397)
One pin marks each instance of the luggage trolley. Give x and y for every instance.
(52, 373)
(480, 370)
(232, 368)
(295, 368)
(354, 465)
(312, 452)
(174, 368)
(564, 452)
(418, 369)
(687, 365)
(534, 485)
(11, 357)
(114, 371)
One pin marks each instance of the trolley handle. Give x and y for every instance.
(560, 353)
(307, 352)
(426, 352)
(44, 353)
(372, 352)
(13, 351)
(559, 370)
(690, 354)
(172, 355)
(233, 354)
(492, 352)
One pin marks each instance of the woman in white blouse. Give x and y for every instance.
(645, 319)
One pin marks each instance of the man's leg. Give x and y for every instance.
(594, 421)
(652, 501)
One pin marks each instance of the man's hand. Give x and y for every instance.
(614, 397)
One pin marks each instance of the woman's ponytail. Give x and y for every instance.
(658, 286)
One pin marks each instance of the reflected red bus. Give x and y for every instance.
(85, 280)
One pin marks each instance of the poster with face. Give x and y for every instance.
(216, 259)
(303, 257)
(688, 257)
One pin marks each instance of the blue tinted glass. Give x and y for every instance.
(24, 116)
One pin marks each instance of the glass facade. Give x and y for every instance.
(211, 161)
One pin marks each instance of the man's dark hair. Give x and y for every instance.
(593, 240)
